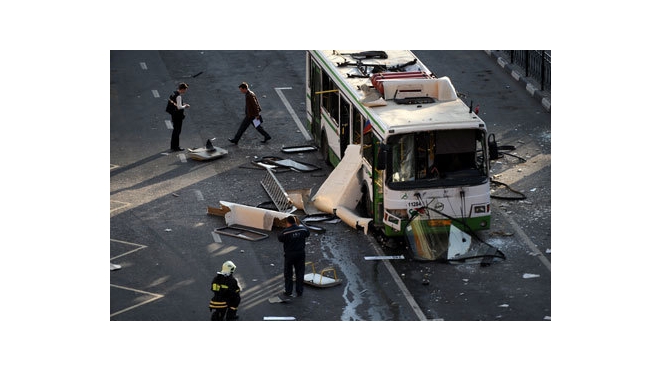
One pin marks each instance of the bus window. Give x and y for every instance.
(344, 125)
(330, 97)
(403, 159)
(357, 127)
(367, 143)
(443, 157)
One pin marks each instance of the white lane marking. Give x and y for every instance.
(168, 124)
(155, 93)
(404, 290)
(182, 157)
(216, 237)
(292, 113)
(528, 241)
(143, 65)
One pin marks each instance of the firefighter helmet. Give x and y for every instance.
(228, 267)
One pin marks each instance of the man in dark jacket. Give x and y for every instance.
(252, 115)
(226, 294)
(178, 115)
(293, 239)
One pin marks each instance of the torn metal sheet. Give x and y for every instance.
(434, 243)
(243, 233)
(262, 166)
(302, 148)
(341, 192)
(318, 217)
(248, 216)
(272, 318)
(381, 257)
(295, 165)
(204, 154)
(274, 162)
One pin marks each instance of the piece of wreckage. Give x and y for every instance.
(446, 240)
(208, 152)
(339, 196)
(277, 164)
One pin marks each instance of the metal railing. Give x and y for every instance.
(534, 64)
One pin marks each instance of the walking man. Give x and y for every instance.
(176, 108)
(252, 115)
(293, 238)
(226, 294)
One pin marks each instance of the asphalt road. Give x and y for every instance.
(161, 235)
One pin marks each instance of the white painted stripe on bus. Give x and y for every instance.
(168, 124)
(292, 113)
(155, 93)
(143, 65)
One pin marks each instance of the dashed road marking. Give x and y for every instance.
(168, 124)
(143, 65)
(155, 93)
(199, 195)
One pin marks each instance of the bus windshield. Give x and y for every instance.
(437, 158)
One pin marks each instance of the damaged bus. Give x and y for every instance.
(424, 172)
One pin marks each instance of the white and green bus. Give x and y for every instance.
(424, 151)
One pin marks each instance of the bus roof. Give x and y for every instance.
(397, 92)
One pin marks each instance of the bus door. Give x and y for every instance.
(315, 86)
(344, 124)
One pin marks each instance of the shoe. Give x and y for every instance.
(287, 294)
(299, 295)
(234, 318)
(233, 141)
(179, 149)
(266, 139)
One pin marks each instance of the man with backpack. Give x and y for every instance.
(175, 108)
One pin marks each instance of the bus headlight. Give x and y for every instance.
(480, 209)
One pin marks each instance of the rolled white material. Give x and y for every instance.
(249, 216)
(341, 192)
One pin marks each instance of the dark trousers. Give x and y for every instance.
(291, 263)
(244, 125)
(177, 123)
(230, 310)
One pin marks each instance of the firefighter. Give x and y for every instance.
(226, 294)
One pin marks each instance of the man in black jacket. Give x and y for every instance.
(293, 239)
(178, 115)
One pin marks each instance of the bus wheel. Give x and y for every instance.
(325, 149)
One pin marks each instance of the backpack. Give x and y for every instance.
(171, 106)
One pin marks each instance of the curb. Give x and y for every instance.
(522, 81)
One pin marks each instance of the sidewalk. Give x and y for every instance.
(532, 86)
